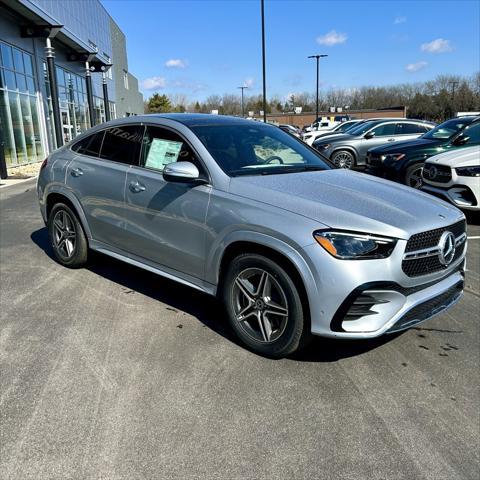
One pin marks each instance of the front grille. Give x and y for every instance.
(428, 309)
(431, 238)
(437, 173)
(429, 264)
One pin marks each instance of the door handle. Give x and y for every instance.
(76, 172)
(391, 139)
(136, 187)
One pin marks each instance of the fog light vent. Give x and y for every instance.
(362, 306)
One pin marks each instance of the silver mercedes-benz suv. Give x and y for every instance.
(245, 211)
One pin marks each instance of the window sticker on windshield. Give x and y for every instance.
(162, 152)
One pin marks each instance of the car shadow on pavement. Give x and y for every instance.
(207, 309)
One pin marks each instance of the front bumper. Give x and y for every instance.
(461, 196)
(368, 298)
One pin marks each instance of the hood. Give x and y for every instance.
(397, 147)
(329, 135)
(349, 200)
(336, 137)
(461, 157)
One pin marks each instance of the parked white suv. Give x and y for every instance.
(455, 176)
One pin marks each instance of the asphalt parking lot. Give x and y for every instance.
(111, 372)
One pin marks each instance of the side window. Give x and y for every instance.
(473, 134)
(90, 145)
(122, 144)
(162, 146)
(409, 129)
(384, 130)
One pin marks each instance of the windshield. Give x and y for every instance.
(257, 150)
(447, 129)
(362, 128)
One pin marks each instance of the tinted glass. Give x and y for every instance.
(384, 130)
(89, 145)
(473, 134)
(362, 128)
(162, 146)
(122, 144)
(409, 129)
(447, 129)
(257, 149)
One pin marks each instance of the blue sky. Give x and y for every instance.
(199, 48)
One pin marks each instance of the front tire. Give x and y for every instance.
(413, 176)
(67, 237)
(264, 306)
(343, 159)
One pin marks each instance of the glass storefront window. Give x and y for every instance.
(19, 107)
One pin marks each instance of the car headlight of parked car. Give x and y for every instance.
(323, 146)
(468, 171)
(354, 246)
(392, 157)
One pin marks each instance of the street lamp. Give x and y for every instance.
(317, 57)
(242, 89)
(263, 63)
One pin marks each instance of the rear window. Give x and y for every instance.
(89, 145)
(122, 144)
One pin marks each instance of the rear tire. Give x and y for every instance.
(343, 159)
(264, 306)
(67, 237)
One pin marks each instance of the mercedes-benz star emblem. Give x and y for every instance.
(446, 248)
(431, 172)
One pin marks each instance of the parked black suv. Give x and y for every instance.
(403, 162)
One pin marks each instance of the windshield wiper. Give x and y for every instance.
(276, 170)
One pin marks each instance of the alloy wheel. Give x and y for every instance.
(414, 179)
(64, 234)
(343, 160)
(260, 305)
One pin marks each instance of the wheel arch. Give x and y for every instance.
(293, 264)
(347, 148)
(57, 195)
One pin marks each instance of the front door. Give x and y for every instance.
(166, 220)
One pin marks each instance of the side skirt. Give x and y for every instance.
(161, 270)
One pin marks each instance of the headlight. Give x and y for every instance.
(469, 171)
(393, 157)
(354, 246)
(324, 146)
(306, 137)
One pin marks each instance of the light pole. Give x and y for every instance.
(317, 57)
(263, 63)
(242, 89)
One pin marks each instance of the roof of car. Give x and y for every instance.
(198, 119)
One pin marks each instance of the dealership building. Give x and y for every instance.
(63, 69)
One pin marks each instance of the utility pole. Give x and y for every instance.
(263, 63)
(242, 89)
(317, 57)
(453, 83)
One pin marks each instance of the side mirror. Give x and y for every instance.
(369, 135)
(181, 172)
(461, 140)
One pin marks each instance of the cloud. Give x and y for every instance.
(415, 67)
(188, 85)
(332, 38)
(399, 20)
(154, 83)
(176, 63)
(249, 82)
(437, 46)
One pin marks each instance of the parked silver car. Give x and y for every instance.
(247, 212)
(350, 150)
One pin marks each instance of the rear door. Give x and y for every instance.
(97, 176)
(405, 131)
(166, 220)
